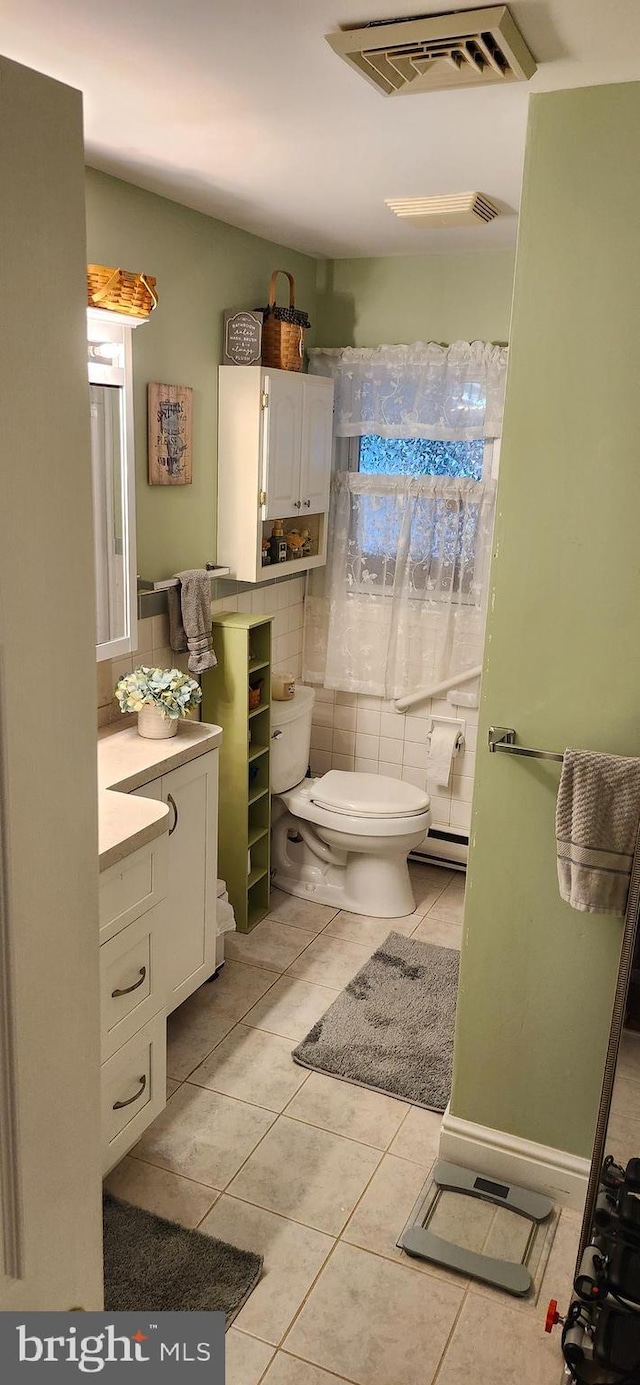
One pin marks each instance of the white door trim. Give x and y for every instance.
(508, 1158)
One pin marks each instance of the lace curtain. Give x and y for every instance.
(401, 603)
(451, 394)
(404, 588)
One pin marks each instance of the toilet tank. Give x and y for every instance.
(290, 739)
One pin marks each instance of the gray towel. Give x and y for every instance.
(597, 817)
(190, 618)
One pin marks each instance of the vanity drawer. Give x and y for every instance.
(132, 886)
(133, 1090)
(132, 978)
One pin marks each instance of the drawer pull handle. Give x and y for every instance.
(126, 990)
(171, 800)
(118, 1105)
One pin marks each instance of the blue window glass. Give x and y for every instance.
(441, 543)
(420, 457)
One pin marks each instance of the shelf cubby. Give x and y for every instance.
(243, 648)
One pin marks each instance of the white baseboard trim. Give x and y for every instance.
(509, 1159)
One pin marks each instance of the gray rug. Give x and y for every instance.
(151, 1264)
(392, 1027)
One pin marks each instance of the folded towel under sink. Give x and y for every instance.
(597, 818)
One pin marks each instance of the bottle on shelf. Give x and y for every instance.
(294, 543)
(278, 543)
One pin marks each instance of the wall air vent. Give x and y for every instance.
(469, 48)
(453, 209)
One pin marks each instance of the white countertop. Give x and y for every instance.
(127, 761)
(126, 823)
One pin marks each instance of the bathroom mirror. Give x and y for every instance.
(112, 463)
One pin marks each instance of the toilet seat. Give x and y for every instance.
(302, 803)
(368, 795)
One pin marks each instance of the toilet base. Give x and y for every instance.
(365, 884)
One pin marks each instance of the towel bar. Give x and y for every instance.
(503, 738)
(173, 581)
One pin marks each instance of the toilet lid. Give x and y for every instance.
(368, 795)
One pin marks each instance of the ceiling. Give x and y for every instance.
(240, 109)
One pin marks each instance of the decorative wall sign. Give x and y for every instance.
(242, 337)
(170, 434)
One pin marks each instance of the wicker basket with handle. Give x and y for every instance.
(121, 291)
(283, 329)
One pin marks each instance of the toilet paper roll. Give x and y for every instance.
(443, 747)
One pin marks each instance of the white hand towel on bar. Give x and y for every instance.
(597, 817)
(190, 618)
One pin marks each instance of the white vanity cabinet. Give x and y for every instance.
(191, 793)
(275, 431)
(158, 904)
(133, 984)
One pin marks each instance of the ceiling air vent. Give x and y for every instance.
(453, 209)
(469, 48)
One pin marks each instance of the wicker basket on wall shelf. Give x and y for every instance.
(283, 329)
(121, 291)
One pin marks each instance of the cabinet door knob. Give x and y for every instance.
(126, 990)
(275, 735)
(172, 804)
(118, 1105)
(297, 504)
(308, 504)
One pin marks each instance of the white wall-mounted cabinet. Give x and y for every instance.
(281, 404)
(274, 462)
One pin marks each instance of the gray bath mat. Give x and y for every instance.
(392, 1027)
(151, 1264)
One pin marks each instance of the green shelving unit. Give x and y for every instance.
(243, 648)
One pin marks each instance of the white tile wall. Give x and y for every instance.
(349, 730)
(284, 600)
(362, 732)
(153, 649)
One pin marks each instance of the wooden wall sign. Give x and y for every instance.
(170, 434)
(242, 337)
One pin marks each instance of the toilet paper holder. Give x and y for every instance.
(449, 721)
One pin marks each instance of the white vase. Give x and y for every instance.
(154, 725)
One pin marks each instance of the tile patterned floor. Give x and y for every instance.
(320, 1176)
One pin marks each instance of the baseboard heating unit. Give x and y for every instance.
(443, 847)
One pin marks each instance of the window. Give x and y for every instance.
(443, 534)
(420, 457)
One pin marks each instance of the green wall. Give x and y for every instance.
(202, 266)
(415, 298)
(562, 660)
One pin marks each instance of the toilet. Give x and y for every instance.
(343, 838)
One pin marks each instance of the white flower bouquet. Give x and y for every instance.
(169, 691)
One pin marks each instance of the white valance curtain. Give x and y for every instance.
(401, 604)
(447, 393)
